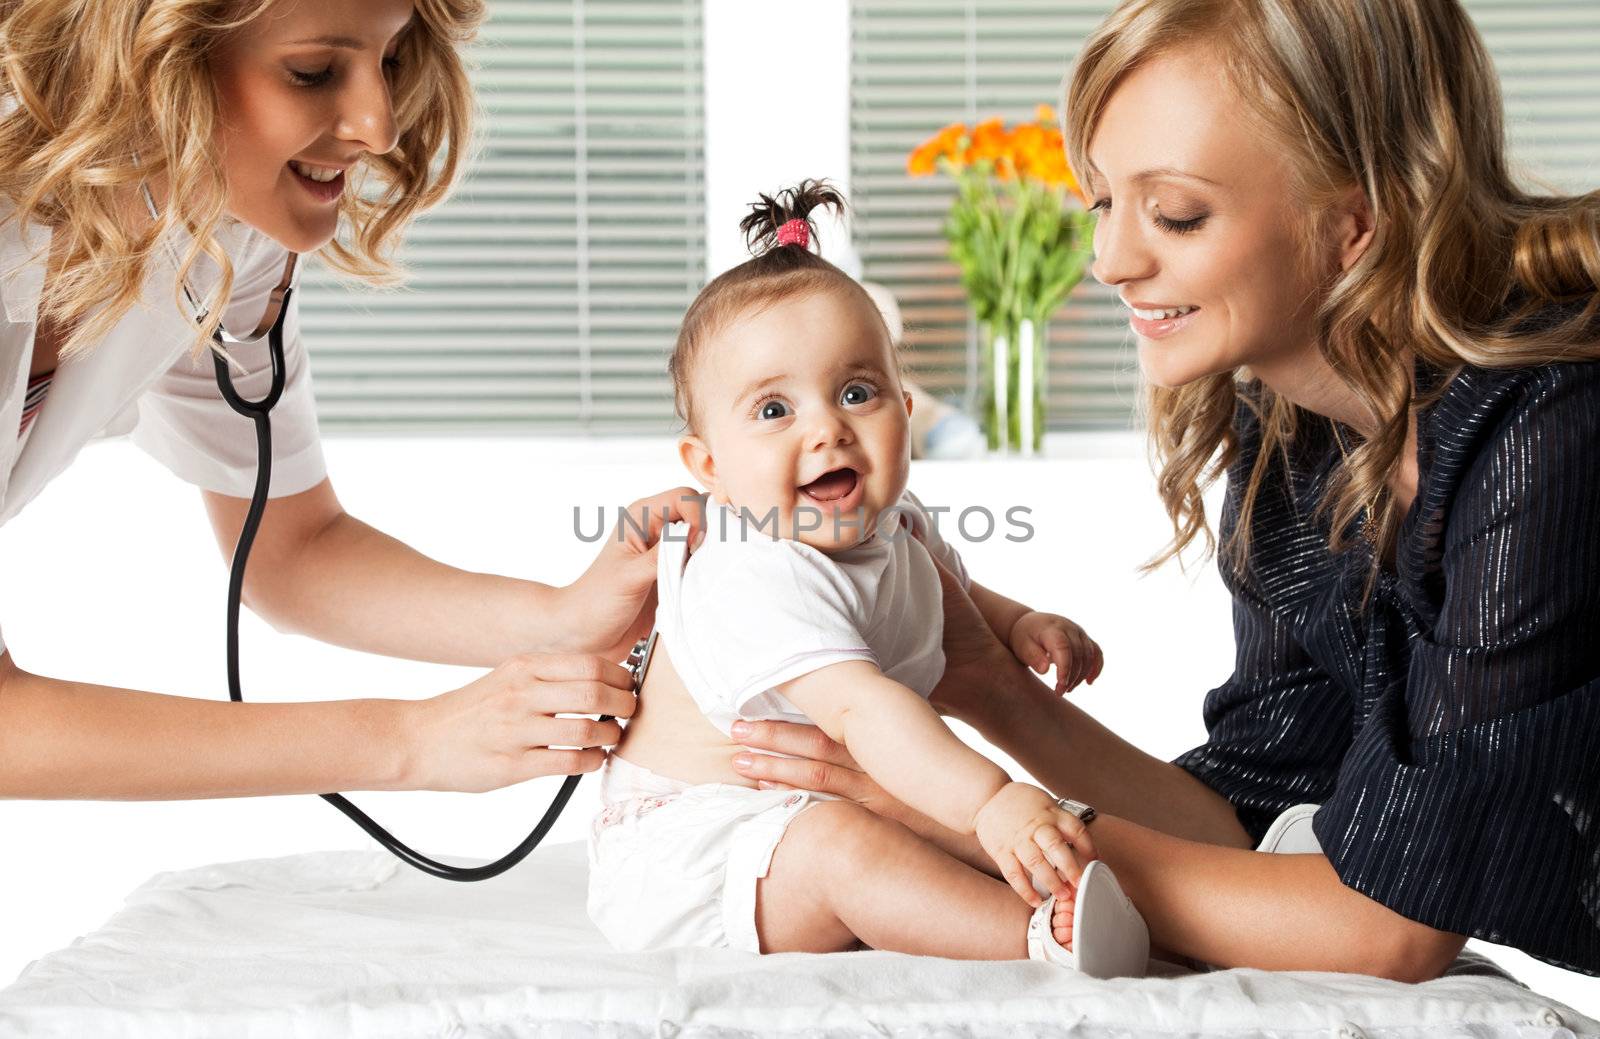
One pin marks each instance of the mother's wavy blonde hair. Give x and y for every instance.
(1399, 97)
(101, 95)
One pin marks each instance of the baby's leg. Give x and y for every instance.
(841, 873)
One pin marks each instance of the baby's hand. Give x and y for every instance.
(1033, 841)
(1041, 639)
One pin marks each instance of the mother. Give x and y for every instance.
(260, 128)
(1389, 348)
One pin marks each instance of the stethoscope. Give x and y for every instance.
(271, 325)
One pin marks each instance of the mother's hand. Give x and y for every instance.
(973, 656)
(818, 762)
(613, 604)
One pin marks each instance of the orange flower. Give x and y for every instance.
(923, 159)
(949, 144)
(951, 141)
(990, 142)
(1032, 150)
(1027, 147)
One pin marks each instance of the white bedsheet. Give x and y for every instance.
(344, 944)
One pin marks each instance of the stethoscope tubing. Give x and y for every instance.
(258, 411)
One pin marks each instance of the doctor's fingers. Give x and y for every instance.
(680, 504)
(531, 669)
(547, 698)
(545, 731)
(541, 761)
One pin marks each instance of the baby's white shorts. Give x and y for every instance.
(675, 864)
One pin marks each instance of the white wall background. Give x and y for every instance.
(777, 111)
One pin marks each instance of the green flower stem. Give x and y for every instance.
(1021, 248)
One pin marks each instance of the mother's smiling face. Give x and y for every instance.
(1197, 230)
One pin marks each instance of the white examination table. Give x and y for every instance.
(349, 944)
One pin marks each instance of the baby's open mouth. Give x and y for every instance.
(831, 485)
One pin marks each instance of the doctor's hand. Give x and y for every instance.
(501, 729)
(613, 605)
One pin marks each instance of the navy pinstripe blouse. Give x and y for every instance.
(1450, 726)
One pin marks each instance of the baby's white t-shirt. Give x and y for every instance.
(750, 611)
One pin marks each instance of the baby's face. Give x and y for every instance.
(801, 416)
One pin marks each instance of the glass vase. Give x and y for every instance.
(1013, 385)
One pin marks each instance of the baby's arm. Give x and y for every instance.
(897, 737)
(1037, 639)
(899, 740)
(1040, 639)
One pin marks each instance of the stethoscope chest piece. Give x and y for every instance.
(638, 661)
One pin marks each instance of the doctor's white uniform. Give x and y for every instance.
(145, 379)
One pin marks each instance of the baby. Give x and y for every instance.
(814, 596)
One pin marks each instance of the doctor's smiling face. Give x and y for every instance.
(1196, 230)
(799, 412)
(304, 92)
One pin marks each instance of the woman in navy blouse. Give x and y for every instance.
(1344, 303)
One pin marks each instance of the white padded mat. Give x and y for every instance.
(349, 944)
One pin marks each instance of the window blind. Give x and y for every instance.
(545, 294)
(916, 66)
(1548, 55)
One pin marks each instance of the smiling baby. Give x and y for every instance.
(815, 597)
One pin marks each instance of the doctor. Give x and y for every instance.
(261, 129)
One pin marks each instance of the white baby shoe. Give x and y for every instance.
(1291, 833)
(1109, 937)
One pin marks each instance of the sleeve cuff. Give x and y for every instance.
(1491, 835)
(759, 686)
(291, 474)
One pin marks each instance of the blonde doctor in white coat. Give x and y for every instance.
(249, 118)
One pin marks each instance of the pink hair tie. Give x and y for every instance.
(795, 232)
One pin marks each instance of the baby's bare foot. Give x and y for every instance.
(1061, 919)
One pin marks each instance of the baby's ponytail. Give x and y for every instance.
(776, 222)
(780, 233)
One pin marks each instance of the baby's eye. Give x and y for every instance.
(858, 393)
(771, 409)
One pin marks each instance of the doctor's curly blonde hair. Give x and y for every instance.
(98, 96)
